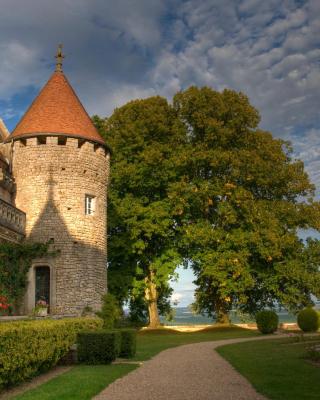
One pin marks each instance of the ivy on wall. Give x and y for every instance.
(15, 262)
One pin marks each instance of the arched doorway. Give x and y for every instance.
(42, 284)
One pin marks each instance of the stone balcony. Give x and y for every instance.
(12, 218)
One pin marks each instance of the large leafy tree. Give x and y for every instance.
(242, 199)
(142, 254)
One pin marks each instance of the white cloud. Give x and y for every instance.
(16, 67)
(182, 298)
(307, 148)
(295, 100)
(176, 298)
(251, 54)
(113, 96)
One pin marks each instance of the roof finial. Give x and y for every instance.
(59, 56)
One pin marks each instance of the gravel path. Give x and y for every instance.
(189, 372)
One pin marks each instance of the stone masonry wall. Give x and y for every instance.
(52, 180)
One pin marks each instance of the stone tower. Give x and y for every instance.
(60, 165)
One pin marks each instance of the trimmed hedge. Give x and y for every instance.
(99, 347)
(30, 347)
(267, 321)
(308, 320)
(128, 343)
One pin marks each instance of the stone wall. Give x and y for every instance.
(52, 180)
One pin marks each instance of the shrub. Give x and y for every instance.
(267, 321)
(30, 347)
(110, 311)
(99, 347)
(308, 320)
(128, 343)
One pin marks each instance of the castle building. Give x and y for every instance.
(54, 171)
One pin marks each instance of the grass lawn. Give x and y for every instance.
(276, 368)
(151, 342)
(83, 382)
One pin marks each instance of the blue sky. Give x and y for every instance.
(118, 51)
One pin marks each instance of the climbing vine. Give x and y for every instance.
(15, 262)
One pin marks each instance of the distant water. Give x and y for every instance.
(183, 316)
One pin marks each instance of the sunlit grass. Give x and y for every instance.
(276, 368)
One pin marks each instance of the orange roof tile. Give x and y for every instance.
(57, 110)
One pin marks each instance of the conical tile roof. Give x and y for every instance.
(57, 110)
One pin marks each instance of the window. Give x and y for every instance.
(90, 204)
(42, 284)
(41, 140)
(62, 141)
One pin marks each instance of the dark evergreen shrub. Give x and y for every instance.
(308, 320)
(99, 347)
(128, 343)
(267, 321)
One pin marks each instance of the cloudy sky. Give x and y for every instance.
(120, 50)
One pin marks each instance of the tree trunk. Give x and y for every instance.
(222, 314)
(151, 295)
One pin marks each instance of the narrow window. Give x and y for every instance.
(90, 204)
(42, 284)
(62, 141)
(41, 140)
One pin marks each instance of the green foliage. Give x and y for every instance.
(110, 312)
(242, 198)
(308, 320)
(98, 347)
(267, 321)
(142, 230)
(138, 314)
(128, 343)
(30, 347)
(170, 316)
(198, 182)
(15, 262)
